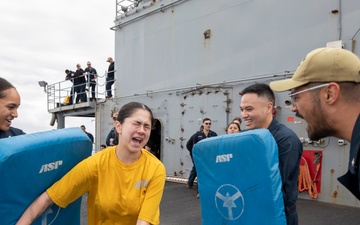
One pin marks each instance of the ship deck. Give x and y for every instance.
(180, 206)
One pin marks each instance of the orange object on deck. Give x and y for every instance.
(305, 183)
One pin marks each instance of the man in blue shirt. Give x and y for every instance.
(257, 104)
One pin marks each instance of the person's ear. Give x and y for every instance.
(118, 127)
(332, 93)
(270, 107)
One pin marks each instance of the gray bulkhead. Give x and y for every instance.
(189, 59)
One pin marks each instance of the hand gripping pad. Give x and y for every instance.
(31, 163)
(239, 179)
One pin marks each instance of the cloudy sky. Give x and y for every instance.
(40, 39)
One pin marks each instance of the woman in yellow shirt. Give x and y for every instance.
(124, 183)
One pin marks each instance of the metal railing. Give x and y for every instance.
(122, 6)
(59, 91)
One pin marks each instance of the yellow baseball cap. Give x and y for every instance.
(323, 65)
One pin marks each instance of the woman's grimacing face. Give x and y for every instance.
(8, 108)
(135, 131)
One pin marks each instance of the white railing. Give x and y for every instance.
(57, 92)
(122, 6)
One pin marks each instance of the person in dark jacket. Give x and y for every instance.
(110, 79)
(87, 133)
(91, 79)
(198, 136)
(80, 84)
(325, 91)
(257, 104)
(9, 103)
(112, 139)
(190, 143)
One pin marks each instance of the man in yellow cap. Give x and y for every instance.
(325, 91)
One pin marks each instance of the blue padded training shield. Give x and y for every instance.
(239, 179)
(31, 163)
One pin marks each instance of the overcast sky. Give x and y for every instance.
(40, 39)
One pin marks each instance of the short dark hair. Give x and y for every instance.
(261, 90)
(350, 90)
(128, 109)
(4, 85)
(205, 119)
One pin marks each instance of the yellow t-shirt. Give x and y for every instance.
(118, 193)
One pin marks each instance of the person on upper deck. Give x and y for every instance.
(325, 91)
(91, 78)
(80, 84)
(110, 79)
(9, 103)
